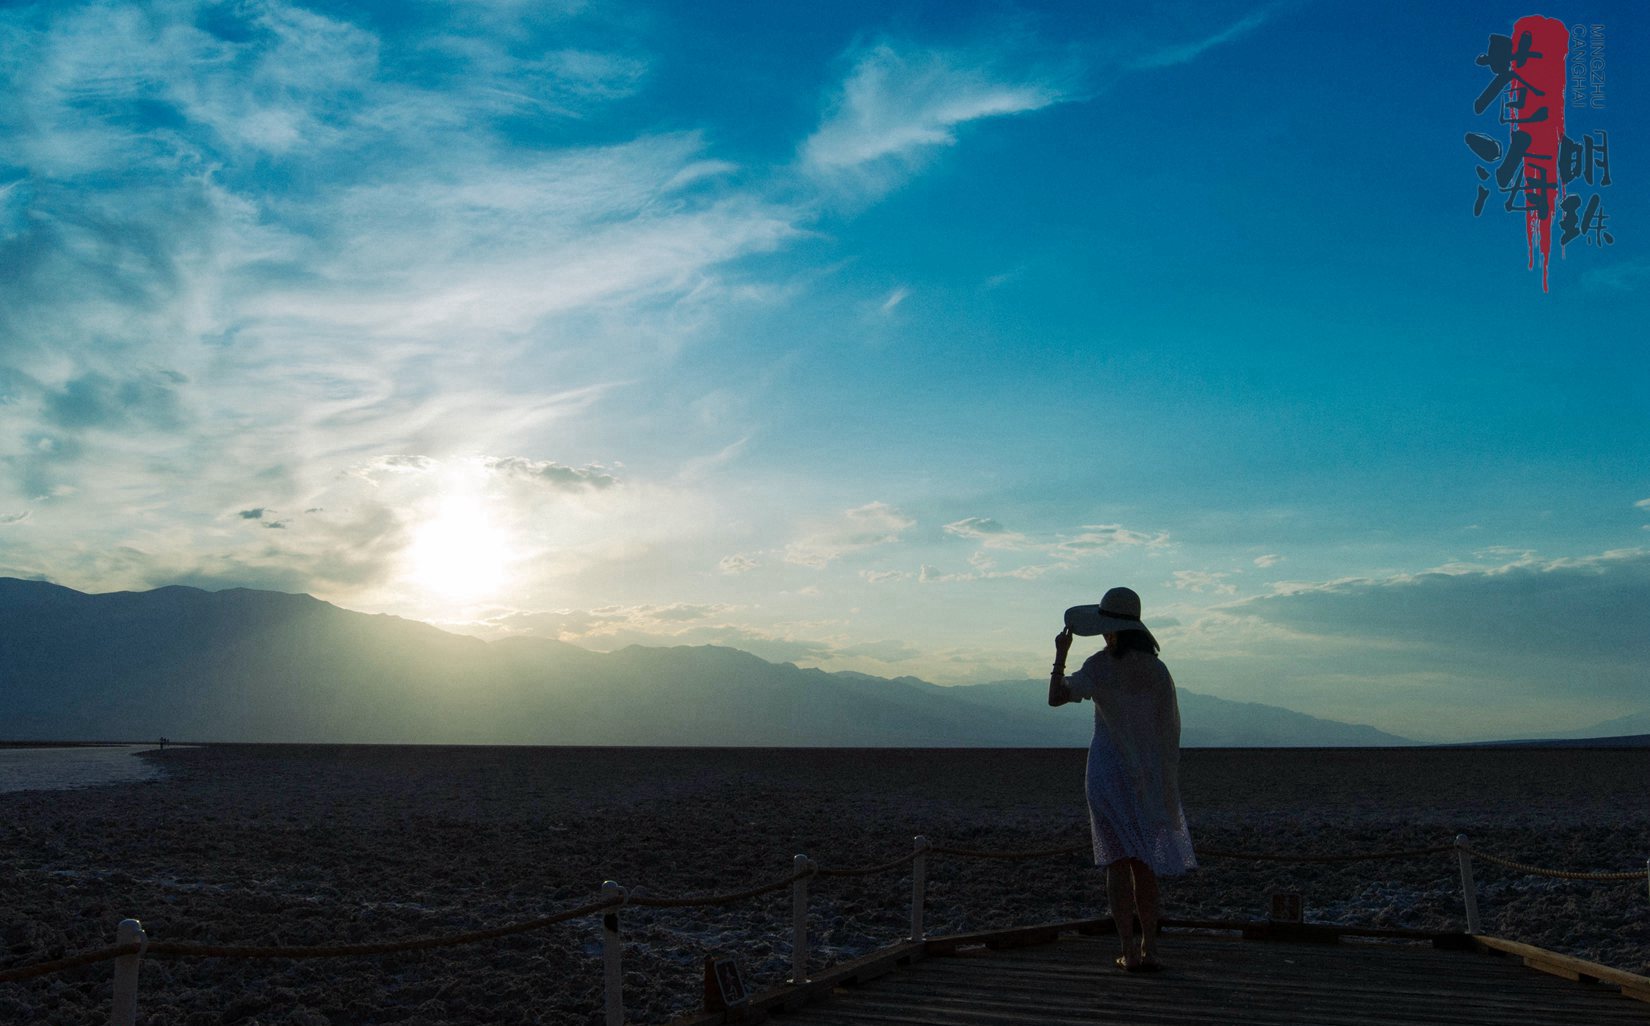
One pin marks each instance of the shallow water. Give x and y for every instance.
(57, 769)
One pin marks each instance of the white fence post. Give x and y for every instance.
(919, 884)
(124, 1011)
(1469, 890)
(613, 956)
(799, 921)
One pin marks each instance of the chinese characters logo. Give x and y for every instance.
(1539, 163)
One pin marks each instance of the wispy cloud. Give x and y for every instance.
(899, 104)
(737, 564)
(1101, 539)
(550, 473)
(1625, 276)
(249, 253)
(1213, 581)
(1184, 53)
(987, 531)
(858, 529)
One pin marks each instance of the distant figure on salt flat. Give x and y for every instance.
(1133, 780)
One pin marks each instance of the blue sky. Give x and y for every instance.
(865, 336)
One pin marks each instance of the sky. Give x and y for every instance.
(868, 336)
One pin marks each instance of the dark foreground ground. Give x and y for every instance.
(319, 845)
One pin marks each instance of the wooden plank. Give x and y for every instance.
(1236, 1010)
(1247, 926)
(1176, 993)
(1436, 988)
(1029, 975)
(1219, 980)
(1014, 936)
(1563, 965)
(1233, 1010)
(787, 997)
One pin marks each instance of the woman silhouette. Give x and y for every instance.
(1133, 782)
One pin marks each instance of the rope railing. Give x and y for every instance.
(1562, 874)
(711, 900)
(1038, 853)
(132, 944)
(870, 870)
(184, 949)
(1362, 856)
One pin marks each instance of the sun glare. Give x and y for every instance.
(460, 554)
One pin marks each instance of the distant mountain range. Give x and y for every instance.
(243, 665)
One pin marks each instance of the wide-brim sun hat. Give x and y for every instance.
(1119, 610)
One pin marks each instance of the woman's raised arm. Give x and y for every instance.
(1058, 693)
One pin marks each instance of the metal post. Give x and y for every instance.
(612, 956)
(1469, 890)
(124, 1011)
(919, 884)
(799, 921)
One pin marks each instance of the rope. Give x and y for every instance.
(871, 870)
(29, 972)
(974, 853)
(1637, 874)
(176, 949)
(719, 899)
(1364, 856)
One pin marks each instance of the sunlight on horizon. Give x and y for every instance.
(461, 554)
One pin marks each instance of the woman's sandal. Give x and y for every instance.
(1145, 965)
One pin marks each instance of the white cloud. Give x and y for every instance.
(1268, 560)
(933, 575)
(858, 529)
(895, 298)
(1203, 581)
(1103, 539)
(550, 473)
(399, 463)
(1642, 504)
(1185, 53)
(897, 105)
(737, 564)
(988, 532)
(884, 576)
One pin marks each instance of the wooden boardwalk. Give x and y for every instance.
(1214, 978)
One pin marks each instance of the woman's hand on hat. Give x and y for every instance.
(1062, 643)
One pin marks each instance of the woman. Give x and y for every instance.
(1134, 761)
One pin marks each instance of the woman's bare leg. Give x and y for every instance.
(1145, 899)
(1120, 883)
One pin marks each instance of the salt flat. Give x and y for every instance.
(317, 844)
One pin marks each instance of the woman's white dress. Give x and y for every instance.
(1134, 762)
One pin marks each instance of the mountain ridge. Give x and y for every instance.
(249, 665)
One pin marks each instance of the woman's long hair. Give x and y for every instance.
(1132, 641)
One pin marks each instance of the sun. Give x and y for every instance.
(460, 554)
